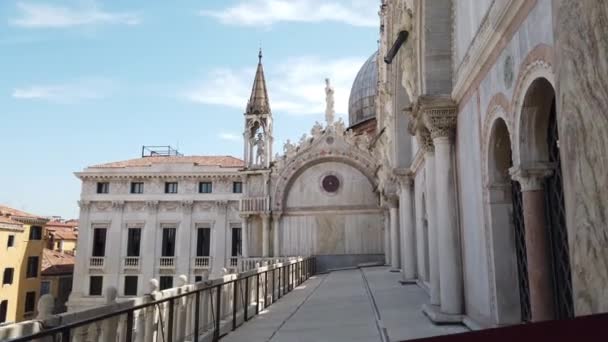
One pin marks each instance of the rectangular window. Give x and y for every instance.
(35, 233)
(203, 241)
(166, 282)
(45, 287)
(11, 241)
(137, 187)
(168, 247)
(237, 187)
(205, 187)
(236, 242)
(30, 301)
(198, 279)
(7, 278)
(103, 187)
(95, 285)
(3, 311)
(133, 242)
(170, 187)
(130, 285)
(32, 267)
(99, 242)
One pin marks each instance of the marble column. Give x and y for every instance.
(537, 242)
(276, 223)
(245, 235)
(431, 207)
(407, 231)
(265, 231)
(81, 266)
(113, 263)
(387, 238)
(394, 225)
(580, 68)
(440, 119)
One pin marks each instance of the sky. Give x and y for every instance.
(84, 82)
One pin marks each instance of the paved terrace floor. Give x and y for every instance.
(350, 305)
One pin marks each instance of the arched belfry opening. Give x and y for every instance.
(540, 180)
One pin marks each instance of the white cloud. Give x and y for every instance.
(296, 86)
(81, 90)
(267, 12)
(41, 15)
(230, 136)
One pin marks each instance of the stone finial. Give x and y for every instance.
(329, 103)
(182, 280)
(111, 294)
(45, 306)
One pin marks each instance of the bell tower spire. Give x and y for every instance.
(258, 123)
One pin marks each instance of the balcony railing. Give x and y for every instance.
(202, 262)
(195, 312)
(246, 264)
(96, 262)
(233, 262)
(167, 262)
(254, 204)
(131, 262)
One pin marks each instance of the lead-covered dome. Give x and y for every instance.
(362, 101)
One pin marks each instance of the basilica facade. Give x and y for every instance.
(469, 164)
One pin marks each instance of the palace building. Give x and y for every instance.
(471, 163)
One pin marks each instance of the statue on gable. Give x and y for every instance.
(288, 148)
(316, 130)
(329, 103)
(339, 125)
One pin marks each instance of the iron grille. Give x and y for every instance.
(556, 223)
(520, 250)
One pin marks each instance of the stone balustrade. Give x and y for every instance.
(203, 311)
(254, 205)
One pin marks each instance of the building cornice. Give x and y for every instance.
(490, 33)
(141, 175)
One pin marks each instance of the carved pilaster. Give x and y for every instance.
(439, 114)
(84, 205)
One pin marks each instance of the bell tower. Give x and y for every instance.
(258, 123)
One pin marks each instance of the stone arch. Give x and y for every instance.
(298, 166)
(500, 231)
(534, 91)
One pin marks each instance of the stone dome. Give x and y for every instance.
(362, 101)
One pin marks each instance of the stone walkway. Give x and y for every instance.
(365, 304)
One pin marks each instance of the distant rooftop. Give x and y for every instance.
(221, 161)
(159, 151)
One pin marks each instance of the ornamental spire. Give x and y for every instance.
(258, 102)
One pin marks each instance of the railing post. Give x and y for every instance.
(246, 304)
(257, 294)
(197, 299)
(234, 302)
(274, 279)
(266, 289)
(216, 332)
(279, 287)
(170, 320)
(129, 332)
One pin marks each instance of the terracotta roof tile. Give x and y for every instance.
(54, 262)
(7, 212)
(63, 233)
(221, 161)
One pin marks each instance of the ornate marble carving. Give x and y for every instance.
(531, 177)
(102, 206)
(152, 206)
(136, 206)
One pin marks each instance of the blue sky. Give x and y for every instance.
(84, 82)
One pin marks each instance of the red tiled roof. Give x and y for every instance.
(54, 263)
(58, 224)
(221, 161)
(63, 233)
(7, 215)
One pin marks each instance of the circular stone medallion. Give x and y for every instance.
(330, 183)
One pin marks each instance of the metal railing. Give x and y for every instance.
(202, 311)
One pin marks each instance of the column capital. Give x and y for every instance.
(152, 205)
(425, 141)
(187, 206)
(439, 114)
(221, 204)
(265, 215)
(405, 177)
(531, 177)
(118, 205)
(84, 205)
(244, 216)
(277, 215)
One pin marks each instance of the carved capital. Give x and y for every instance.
(531, 177)
(84, 205)
(405, 177)
(221, 204)
(118, 205)
(439, 114)
(187, 206)
(277, 216)
(425, 141)
(152, 205)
